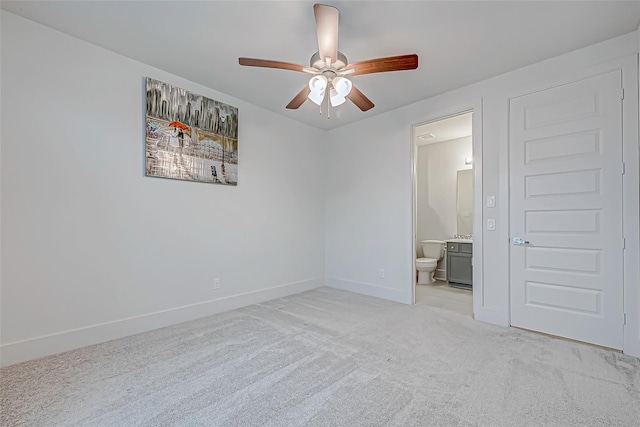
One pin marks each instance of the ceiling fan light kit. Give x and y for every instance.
(330, 67)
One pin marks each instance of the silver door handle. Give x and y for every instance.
(519, 242)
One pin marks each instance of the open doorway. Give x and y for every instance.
(443, 210)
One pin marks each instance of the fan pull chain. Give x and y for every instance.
(328, 106)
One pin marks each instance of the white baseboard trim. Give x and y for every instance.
(368, 289)
(59, 342)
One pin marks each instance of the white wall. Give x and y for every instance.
(91, 249)
(369, 217)
(437, 167)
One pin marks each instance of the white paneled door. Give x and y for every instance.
(566, 210)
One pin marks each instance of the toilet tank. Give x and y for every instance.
(433, 249)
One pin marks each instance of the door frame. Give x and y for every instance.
(473, 106)
(628, 65)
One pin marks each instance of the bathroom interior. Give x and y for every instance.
(444, 213)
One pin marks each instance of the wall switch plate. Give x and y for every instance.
(381, 274)
(491, 201)
(216, 283)
(491, 224)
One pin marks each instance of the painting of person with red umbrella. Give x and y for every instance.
(188, 136)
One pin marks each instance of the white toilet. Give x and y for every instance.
(433, 251)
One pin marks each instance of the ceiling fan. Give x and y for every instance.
(329, 67)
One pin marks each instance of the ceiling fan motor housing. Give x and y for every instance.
(321, 64)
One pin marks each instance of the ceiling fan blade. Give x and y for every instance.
(299, 99)
(382, 65)
(252, 62)
(327, 31)
(358, 98)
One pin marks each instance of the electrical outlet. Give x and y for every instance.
(381, 274)
(216, 283)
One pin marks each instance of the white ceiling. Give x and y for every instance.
(457, 42)
(445, 129)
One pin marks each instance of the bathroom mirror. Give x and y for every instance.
(464, 201)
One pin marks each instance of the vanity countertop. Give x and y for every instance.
(460, 240)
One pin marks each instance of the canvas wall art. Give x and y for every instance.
(190, 137)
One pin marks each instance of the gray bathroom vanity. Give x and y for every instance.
(459, 267)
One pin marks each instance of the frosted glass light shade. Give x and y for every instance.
(341, 88)
(318, 86)
(336, 98)
(316, 97)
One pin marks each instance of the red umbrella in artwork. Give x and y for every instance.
(178, 125)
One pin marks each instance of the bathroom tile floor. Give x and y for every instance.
(441, 295)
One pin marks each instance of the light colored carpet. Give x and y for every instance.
(441, 295)
(327, 358)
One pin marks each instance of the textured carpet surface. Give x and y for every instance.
(327, 358)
